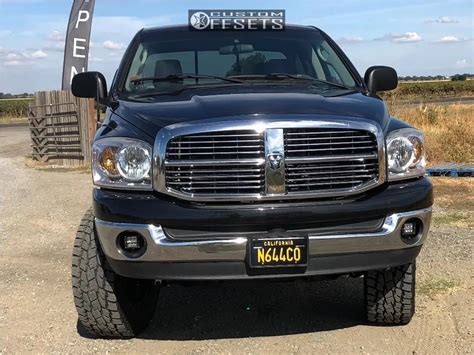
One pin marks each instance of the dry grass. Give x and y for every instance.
(432, 288)
(44, 166)
(10, 120)
(454, 194)
(454, 202)
(456, 219)
(449, 130)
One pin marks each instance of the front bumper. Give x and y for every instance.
(330, 252)
(157, 209)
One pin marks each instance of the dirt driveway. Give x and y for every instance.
(40, 210)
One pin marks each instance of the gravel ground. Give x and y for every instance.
(39, 213)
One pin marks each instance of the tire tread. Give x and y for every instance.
(93, 286)
(390, 294)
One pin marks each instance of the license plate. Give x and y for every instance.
(282, 252)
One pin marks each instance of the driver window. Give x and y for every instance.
(334, 76)
(332, 66)
(317, 66)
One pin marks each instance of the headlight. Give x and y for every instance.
(122, 163)
(405, 154)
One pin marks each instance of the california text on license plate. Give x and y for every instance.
(283, 252)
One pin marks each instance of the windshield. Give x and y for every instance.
(186, 59)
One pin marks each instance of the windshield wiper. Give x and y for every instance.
(282, 76)
(159, 93)
(332, 84)
(179, 77)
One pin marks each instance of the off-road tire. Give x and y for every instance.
(108, 305)
(390, 294)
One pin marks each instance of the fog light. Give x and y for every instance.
(131, 244)
(411, 229)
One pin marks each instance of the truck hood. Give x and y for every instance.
(151, 116)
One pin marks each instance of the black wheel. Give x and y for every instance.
(108, 305)
(390, 294)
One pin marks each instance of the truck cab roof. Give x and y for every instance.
(183, 27)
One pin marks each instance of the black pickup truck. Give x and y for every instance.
(246, 155)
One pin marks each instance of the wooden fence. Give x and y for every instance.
(62, 128)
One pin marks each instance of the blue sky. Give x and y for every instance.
(416, 37)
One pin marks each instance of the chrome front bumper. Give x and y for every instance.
(161, 248)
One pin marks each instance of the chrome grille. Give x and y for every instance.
(268, 159)
(216, 146)
(321, 159)
(229, 162)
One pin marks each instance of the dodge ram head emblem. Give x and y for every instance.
(275, 160)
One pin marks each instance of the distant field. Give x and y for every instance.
(449, 130)
(13, 108)
(429, 90)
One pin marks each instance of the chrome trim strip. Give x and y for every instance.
(256, 162)
(360, 157)
(356, 227)
(163, 249)
(259, 124)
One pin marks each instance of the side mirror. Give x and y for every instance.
(380, 78)
(89, 85)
